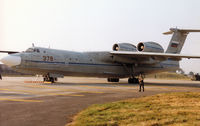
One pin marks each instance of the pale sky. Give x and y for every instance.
(95, 25)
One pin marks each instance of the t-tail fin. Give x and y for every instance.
(178, 39)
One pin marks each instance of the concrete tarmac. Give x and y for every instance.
(25, 101)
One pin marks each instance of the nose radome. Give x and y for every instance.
(11, 60)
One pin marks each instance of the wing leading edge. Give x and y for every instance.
(147, 54)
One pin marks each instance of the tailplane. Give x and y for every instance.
(178, 39)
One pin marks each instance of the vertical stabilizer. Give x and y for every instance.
(178, 39)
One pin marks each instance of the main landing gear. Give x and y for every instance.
(47, 78)
(133, 80)
(113, 79)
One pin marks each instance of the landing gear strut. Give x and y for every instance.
(133, 80)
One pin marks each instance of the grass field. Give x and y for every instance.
(174, 109)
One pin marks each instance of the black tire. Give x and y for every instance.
(136, 80)
(113, 79)
(130, 80)
(51, 79)
(133, 81)
(116, 79)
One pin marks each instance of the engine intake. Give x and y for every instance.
(124, 47)
(150, 47)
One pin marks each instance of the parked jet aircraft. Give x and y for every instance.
(125, 61)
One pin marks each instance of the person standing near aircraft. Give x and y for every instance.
(141, 82)
(0, 76)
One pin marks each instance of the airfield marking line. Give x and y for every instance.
(15, 90)
(110, 88)
(19, 100)
(37, 93)
(61, 89)
(66, 94)
(94, 92)
(33, 81)
(23, 91)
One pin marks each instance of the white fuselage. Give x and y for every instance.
(88, 64)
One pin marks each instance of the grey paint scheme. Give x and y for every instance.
(94, 64)
(67, 63)
(102, 64)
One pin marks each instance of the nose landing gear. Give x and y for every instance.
(47, 78)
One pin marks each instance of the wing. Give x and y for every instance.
(146, 56)
(9, 52)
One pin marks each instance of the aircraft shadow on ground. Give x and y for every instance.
(90, 84)
(124, 84)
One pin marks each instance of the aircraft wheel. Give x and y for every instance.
(116, 79)
(52, 80)
(113, 79)
(46, 79)
(133, 80)
(136, 80)
(130, 80)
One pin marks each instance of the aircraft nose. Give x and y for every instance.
(11, 60)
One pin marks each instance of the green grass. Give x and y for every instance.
(174, 109)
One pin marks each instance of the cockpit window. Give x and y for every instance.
(30, 50)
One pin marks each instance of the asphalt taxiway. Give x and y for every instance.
(25, 101)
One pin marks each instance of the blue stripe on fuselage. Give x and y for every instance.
(94, 64)
(45, 62)
(72, 63)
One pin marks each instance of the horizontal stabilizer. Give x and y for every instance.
(172, 30)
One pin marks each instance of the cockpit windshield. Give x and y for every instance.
(29, 50)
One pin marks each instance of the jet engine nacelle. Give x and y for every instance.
(150, 47)
(124, 47)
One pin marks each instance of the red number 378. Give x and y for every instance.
(47, 58)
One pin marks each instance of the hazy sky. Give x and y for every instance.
(90, 25)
